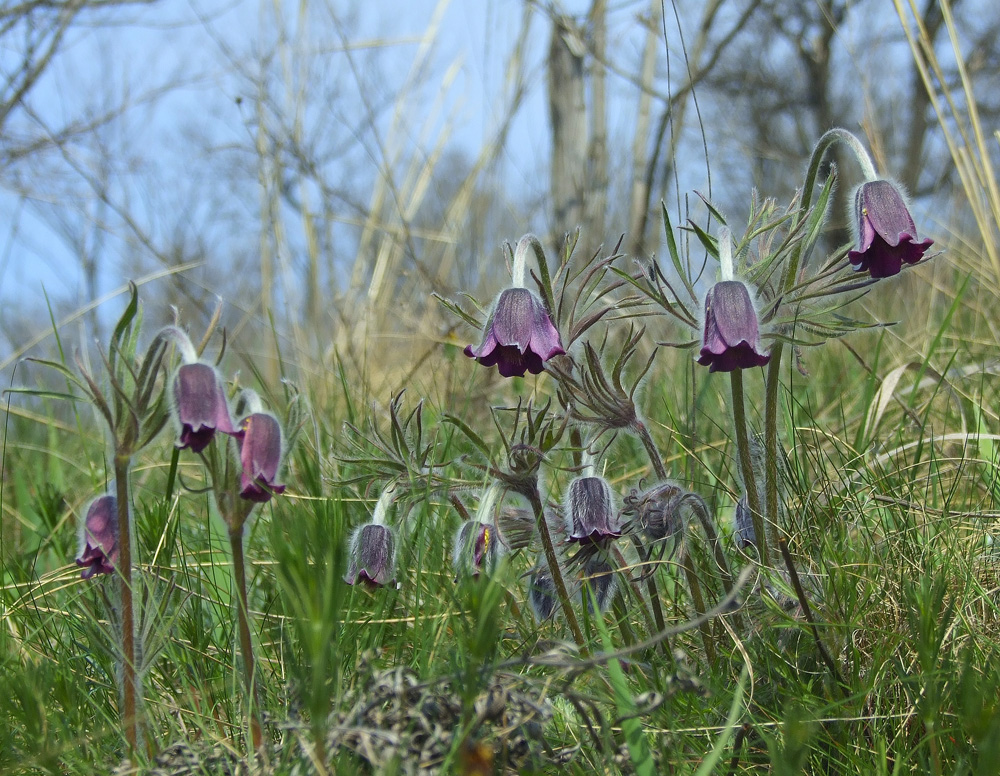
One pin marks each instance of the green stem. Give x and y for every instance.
(746, 459)
(687, 563)
(771, 436)
(129, 718)
(246, 644)
(553, 563)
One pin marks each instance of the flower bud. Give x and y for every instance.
(373, 555)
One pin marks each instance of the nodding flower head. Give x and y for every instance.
(731, 336)
(99, 538)
(199, 406)
(477, 548)
(519, 335)
(885, 232)
(261, 450)
(590, 513)
(373, 555)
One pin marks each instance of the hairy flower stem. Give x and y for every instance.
(746, 460)
(657, 618)
(661, 473)
(130, 720)
(654, 455)
(553, 563)
(687, 563)
(771, 432)
(246, 645)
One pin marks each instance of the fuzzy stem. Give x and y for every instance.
(746, 460)
(553, 562)
(687, 563)
(657, 616)
(129, 718)
(727, 271)
(661, 473)
(654, 455)
(246, 644)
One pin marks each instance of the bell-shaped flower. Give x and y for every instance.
(590, 513)
(731, 335)
(261, 450)
(477, 548)
(372, 555)
(199, 406)
(885, 232)
(99, 538)
(519, 335)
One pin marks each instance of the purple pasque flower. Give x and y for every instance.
(731, 338)
(886, 233)
(372, 555)
(99, 538)
(199, 406)
(260, 453)
(477, 548)
(519, 335)
(590, 514)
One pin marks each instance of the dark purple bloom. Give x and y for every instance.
(260, 454)
(590, 515)
(476, 548)
(99, 538)
(886, 234)
(519, 335)
(372, 555)
(732, 332)
(200, 406)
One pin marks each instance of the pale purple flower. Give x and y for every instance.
(731, 338)
(886, 234)
(199, 405)
(260, 453)
(518, 336)
(99, 538)
(590, 514)
(372, 555)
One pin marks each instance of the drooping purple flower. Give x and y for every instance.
(590, 514)
(260, 454)
(886, 233)
(372, 555)
(731, 338)
(657, 511)
(99, 538)
(476, 548)
(518, 336)
(200, 406)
